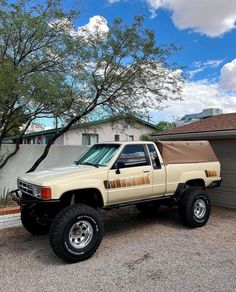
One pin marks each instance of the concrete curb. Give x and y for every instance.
(9, 210)
(10, 220)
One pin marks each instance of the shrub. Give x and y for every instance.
(5, 199)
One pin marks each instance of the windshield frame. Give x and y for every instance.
(100, 165)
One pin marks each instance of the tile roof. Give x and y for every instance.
(222, 122)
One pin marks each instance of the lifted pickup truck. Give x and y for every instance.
(66, 201)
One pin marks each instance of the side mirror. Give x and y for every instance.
(118, 166)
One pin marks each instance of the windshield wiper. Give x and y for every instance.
(89, 163)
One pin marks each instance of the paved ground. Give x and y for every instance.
(137, 254)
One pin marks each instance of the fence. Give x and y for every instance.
(59, 155)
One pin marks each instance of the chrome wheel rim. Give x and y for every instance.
(80, 234)
(199, 208)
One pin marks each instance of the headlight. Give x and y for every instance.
(37, 191)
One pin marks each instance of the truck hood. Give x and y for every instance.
(59, 174)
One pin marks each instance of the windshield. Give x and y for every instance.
(98, 155)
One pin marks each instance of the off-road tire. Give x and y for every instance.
(32, 222)
(148, 208)
(195, 207)
(60, 232)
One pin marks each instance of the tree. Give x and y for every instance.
(121, 71)
(56, 71)
(164, 126)
(32, 65)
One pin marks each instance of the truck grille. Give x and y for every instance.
(25, 188)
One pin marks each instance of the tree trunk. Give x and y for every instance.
(5, 160)
(50, 143)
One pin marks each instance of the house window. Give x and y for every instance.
(89, 139)
(48, 138)
(131, 138)
(117, 138)
(30, 140)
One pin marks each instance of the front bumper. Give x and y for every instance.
(25, 199)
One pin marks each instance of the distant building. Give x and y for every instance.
(206, 113)
(111, 129)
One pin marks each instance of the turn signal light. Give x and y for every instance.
(46, 193)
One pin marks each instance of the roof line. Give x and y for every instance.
(87, 124)
(218, 133)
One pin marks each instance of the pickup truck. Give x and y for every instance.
(66, 201)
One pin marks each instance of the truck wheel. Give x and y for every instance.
(33, 223)
(76, 233)
(195, 207)
(148, 208)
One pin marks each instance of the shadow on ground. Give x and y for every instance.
(117, 222)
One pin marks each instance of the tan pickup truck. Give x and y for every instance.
(66, 201)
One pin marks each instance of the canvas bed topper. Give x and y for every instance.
(175, 152)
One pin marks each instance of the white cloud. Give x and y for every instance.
(209, 17)
(112, 1)
(192, 73)
(200, 66)
(212, 63)
(228, 75)
(200, 95)
(97, 26)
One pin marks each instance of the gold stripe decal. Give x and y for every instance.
(127, 182)
(210, 173)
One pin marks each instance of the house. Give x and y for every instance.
(111, 129)
(206, 113)
(220, 130)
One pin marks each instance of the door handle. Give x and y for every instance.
(146, 171)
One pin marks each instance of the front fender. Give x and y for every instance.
(63, 187)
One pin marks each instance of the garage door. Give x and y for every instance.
(226, 153)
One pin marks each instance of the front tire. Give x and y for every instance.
(33, 223)
(76, 233)
(195, 207)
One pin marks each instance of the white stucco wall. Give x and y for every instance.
(27, 155)
(107, 132)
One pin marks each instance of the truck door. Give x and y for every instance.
(159, 172)
(130, 178)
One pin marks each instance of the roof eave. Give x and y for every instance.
(197, 135)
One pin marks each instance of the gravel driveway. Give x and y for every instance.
(136, 254)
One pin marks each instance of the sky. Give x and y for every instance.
(206, 33)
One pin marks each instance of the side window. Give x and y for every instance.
(154, 157)
(132, 156)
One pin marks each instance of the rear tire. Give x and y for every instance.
(76, 233)
(195, 207)
(33, 223)
(148, 208)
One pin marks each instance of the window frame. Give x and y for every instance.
(146, 153)
(89, 135)
(153, 163)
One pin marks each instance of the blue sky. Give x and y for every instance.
(206, 32)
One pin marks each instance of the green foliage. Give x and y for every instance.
(145, 137)
(47, 69)
(164, 126)
(32, 62)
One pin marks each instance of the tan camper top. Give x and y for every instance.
(174, 152)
